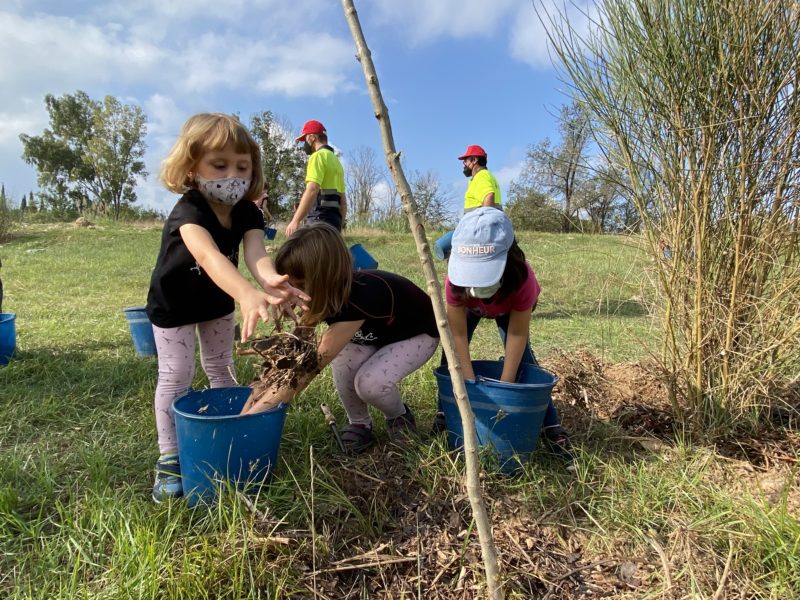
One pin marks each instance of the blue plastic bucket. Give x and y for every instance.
(141, 330)
(8, 337)
(270, 233)
(442, 246)
(508, 416)
(217, 445)
(361, 258)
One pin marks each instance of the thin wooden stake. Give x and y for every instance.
(479, 513)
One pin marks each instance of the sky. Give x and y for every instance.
(452, 73)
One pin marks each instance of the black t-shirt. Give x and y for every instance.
(393, 307)
(180, 291)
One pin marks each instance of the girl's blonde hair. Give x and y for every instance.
(317, 260)
(203, 133)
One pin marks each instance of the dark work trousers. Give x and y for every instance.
(551, 418)
(331, 216)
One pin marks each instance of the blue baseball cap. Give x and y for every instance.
(480, 248)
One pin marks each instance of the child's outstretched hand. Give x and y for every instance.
(281, 292)
(277, 295)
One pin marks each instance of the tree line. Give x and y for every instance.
(90, 158)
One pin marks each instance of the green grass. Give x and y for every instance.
(77, 447)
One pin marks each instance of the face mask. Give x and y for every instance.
(308, 148)
(467, 171)
(225, 191)
(485, 292)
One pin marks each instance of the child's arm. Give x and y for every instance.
(457, 318)
(519, 324)
(263, 269)
(333, 340)
(254, 303)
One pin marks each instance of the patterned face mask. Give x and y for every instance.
(225, 191)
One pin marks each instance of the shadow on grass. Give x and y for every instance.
(624, 308)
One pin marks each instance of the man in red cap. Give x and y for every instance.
(324, 197)
(483, 189)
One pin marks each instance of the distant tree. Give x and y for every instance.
(115, 153)
(561, 170)
(603, 199)
(23, 204)
(362, 177)
(532, 210)
(5, 215)
(431, 198)
(282, 161)
(91, 154)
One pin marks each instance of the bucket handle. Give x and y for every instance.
(483, 379)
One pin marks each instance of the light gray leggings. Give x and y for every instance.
(368, 375)
(176, 367)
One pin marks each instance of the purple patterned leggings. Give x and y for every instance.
(368, 375)
(176, 367)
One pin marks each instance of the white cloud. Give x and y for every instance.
(426, 20)
(507, 174)
(295, 69)
(59, 52)
(181, 56)
(529, 42)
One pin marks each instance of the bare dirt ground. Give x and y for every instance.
(422, 544)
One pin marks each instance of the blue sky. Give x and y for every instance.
(452, 73)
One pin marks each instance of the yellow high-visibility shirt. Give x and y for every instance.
(325, 169)
(482, 183)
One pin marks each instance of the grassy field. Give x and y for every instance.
(78, 444)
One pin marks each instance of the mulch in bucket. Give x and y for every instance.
(508, 416)
(218, 446)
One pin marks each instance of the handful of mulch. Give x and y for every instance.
(286, 357)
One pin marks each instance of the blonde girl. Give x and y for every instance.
(214, 164)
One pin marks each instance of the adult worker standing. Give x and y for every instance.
(483, 189)
(324, 198)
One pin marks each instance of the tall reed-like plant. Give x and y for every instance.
(698, 102)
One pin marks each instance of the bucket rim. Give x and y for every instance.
(282, 407)
(7, 316)
(443, 373)
(134, 308)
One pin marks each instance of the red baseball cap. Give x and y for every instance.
(311, 127)
(473, 151)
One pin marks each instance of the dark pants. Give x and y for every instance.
(551, 418)
(331, 216)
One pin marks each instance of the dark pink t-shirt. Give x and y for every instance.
(523, 299)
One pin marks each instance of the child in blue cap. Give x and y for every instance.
(488, 277)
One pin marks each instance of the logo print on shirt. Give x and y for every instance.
(360, 338)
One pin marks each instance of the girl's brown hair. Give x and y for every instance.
(317, 261)
(203, 133)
